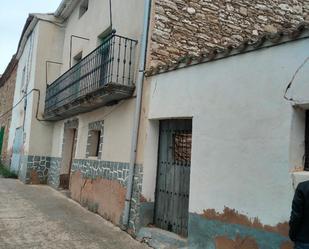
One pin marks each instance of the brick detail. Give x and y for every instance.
(191, 27)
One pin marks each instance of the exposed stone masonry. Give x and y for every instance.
(7, 87)
(191, 27)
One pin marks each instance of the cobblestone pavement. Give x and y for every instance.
(35, 217)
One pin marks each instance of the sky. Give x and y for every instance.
(13, 15)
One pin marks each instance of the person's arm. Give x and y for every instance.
(297, 213)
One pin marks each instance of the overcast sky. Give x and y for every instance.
(13, 15)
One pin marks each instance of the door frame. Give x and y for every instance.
(70, 132)
(2, 131)
(158, 165)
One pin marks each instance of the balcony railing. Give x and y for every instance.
(111, 63)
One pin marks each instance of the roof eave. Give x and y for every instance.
(65, 8)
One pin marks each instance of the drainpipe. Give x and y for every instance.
(139, 90)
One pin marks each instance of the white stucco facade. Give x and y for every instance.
(31, 80)
(30, 135)
(127, 20)
(247, 139)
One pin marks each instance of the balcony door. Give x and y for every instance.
(78, 85)
(105, 59)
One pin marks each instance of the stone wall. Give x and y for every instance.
(7, 88)
(183, 27)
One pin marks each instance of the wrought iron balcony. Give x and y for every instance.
(103, 77)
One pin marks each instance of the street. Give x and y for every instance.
(36, 216)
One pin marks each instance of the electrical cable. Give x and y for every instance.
(293, 78)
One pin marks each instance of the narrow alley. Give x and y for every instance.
(40, 217)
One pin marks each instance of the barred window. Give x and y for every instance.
(182, 147)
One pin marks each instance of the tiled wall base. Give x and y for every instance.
(54, 172)
(46, 170)
(34, 169)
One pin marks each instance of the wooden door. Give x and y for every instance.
(173, 176)
(17, 150)
(1, 140)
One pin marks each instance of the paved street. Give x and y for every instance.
(40, 217)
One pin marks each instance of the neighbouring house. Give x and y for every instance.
(40, 45)
(7, 86)
(92, 104)
(221, 143)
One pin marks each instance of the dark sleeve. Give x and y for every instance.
(297, 213)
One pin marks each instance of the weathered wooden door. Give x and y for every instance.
(17, 150)
(173, 177)
(1, 140)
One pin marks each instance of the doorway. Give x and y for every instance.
(173, 176)
(68, 154)
(17, 150)
(1, 140)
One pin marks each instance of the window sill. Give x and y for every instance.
(298, 177)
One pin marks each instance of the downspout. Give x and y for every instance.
(139, 90)
(110, 14)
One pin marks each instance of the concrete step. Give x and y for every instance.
(161, 239)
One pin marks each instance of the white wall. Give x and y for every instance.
(49, 48)
(118, 119)
(242, 130)
(127, 20)
(24, 81)
(44, 43)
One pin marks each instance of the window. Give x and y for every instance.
(95, 139)
(94, 143)
(77, 58)
(83, 8)
(104, 35)
(182, 147)
(23, 80)
(307, 142)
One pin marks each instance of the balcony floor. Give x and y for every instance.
(106, 95)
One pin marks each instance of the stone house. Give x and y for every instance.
(221, 143)
(7, 86)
